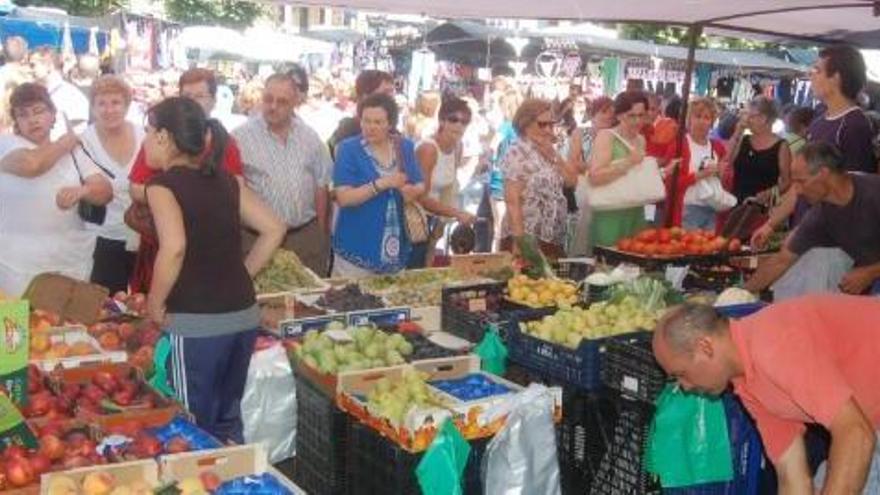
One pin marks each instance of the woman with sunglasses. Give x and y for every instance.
(762, 160)
(440, 157)
(615, 152)
(202, 293)
(534, 175)
(41, 185)
(113, 143)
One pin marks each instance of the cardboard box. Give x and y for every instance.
(125, 472)
(14, 348)
(69, 298)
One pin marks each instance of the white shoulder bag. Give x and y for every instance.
(711, 193)
(641, 185)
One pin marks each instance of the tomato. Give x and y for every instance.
(667, 250)
(709, 234)
(735, 245)
(647, 235)
(718, 244)
(676, 232)
(651, 249)
(664, 236)
(625, 244)
(638, 247)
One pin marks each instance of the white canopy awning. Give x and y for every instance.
(854, 21)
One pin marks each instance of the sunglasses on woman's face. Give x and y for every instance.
(545, 124)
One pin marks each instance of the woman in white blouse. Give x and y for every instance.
(42, 182)
(112, 143)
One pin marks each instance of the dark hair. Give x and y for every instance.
(27, 94)
(368, 81)
(191, 130)
(300, 78)
(197, 75)
(820, 154)
(599, 104)
(800, 117)
(286, 77)
(452, 105)
(383, 101)
(672, 110)
(624, 102)
(847, 61)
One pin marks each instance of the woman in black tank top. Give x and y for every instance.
(762, 159)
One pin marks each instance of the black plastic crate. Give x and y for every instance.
(376, 465)
(574, 269)
(466, 310)
(321, 439)
(579, 367)
(621, 470)
(583, 437)
(629, 367)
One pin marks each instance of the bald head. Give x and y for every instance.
(682, 325)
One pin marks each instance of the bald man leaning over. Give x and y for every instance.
(813, 359)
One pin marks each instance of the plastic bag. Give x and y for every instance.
(492, 352)
(688, 443)
(522, 456)
(441, 468)
(268, 406)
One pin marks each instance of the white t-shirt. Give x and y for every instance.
(37, 236)
(114, 227)
(700, 155)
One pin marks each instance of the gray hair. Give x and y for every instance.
(821, 154)
(683, 324)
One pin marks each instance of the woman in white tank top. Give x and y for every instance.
(440, 156)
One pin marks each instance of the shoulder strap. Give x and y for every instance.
(90, 157)
(76, 166)
(459, 151)
(620, 138)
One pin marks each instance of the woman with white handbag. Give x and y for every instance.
(621, 180)
(699, 194)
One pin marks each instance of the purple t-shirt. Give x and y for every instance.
(854, 227)
(851, 132)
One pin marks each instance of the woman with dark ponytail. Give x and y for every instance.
(202, 293)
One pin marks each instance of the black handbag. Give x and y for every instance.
(88, 212)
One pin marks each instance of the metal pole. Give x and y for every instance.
(694, 33)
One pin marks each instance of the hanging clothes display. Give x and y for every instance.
(421, 73)
(611, 75)
(703, 77)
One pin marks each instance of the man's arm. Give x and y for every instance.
(852, 449)
(770, 270)
(793, 471)
(858, 280)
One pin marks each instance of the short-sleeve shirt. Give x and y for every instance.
(852, 133)
(854, 227)
(285, 175)
(141, 173)
(544, 209)
(803, 359)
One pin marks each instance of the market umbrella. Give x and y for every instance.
(67, 42)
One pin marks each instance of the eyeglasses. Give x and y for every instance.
(545, 124)
(269, 100)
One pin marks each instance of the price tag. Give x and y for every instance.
(299, 326)
(339, 336)
(477, 304)
(379, 317)
(630, 384)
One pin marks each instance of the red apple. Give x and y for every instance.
(210, 480)
(75, 461)
(122, 398)
(15, 452)
(40, 464)
(106, 381)
(19, 472)
(93, 393)
(71, 390)
(52, 447)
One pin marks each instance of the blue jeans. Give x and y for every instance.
(698, 217)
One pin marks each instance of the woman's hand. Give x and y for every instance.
(412, 192)
(465, 218)
(636, 156)
(709, 170)
(68, 197)
(397, 180)
(156, 312)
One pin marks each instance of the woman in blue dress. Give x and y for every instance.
(375, 175)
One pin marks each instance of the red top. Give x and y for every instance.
(686, 178)
(141, 173)
(803, 359)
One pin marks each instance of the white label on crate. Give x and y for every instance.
(630, 384)
(478, 304)
(339, 336)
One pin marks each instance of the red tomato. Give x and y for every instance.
(625, 244)
(664, 236)
(647, 235)
(676, 232)
(650, 249)
(638, 247)
(735, 245)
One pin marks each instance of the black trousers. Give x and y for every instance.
(112, 265)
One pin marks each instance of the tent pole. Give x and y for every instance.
(694, 33)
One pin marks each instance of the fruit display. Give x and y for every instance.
(677, 242)
(409, 279)
(108, 392)
(472, 387)
(138, 338)
(123, 303)
(42, 402)
(132, 440)
(99, 482)
(59, 448)
(41, 320)
(604, 319)
(51, 344)
(542, 292)
(349, 298)
(368, 348)
(393, 400)
(285, 272)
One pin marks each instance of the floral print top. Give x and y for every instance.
(544, 209)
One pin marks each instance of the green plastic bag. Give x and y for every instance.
(442, 466)
(688, 443)
(159, 380)
(492, 352)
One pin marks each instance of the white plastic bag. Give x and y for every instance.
(711, 193)
(521, 459)
(268, 406)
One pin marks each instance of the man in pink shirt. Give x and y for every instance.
(806, 360)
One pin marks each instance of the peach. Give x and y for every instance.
(98, 483)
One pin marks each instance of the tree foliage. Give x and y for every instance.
(227, 13)
(85, 8)
(670, 35)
